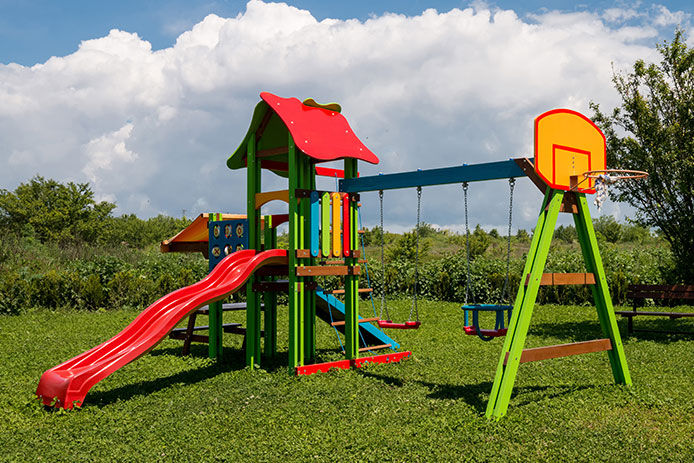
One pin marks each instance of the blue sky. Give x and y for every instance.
(145, 100)
(31, 31)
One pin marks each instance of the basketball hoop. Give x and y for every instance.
(606, 177)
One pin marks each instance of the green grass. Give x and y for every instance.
(164, 407)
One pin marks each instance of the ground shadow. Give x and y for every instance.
(476, 395)
(590, 329)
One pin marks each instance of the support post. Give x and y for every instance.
(352, 280)
(600, 290)
(295, 351)
(523, 306)
(252, 298)
(270, 297)
(214, 347)
(309, 183)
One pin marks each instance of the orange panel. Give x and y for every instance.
(568, 144)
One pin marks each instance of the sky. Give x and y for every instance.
(145, 100)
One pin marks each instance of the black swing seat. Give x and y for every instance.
(486, 334)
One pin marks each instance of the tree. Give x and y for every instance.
(653, 130)
(52, 211)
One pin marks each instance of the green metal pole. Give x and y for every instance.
(498, 405)
(294, 351)
(351, 281)
(252, 299)
(601, 291)
(270, 297)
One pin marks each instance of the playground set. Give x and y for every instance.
(291, 138)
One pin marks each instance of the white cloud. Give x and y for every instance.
(152, 129)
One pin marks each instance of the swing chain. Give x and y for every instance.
(416, 257)
(384, 306)
(467, 244)
(507, 289)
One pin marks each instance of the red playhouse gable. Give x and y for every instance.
(318, 132)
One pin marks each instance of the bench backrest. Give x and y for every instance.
(660, 291)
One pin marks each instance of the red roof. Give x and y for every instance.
(318, 132)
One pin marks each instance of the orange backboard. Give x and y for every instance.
(568, 144)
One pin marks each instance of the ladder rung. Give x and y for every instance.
(342, 291)
(361, 320)
(380, 346)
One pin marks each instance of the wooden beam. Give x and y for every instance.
(322, 270)
(563, 350)
(564, 279)
(342, 291)
(378, 347)
(569, 204)
(361, 320)
(263, 125)
(266, 197)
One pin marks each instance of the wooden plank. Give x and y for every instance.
(303, 253)
(632, 313)
(378, 347)
(361, 320)
(321, 270)
(563, 350)
(342, 291)
(266, 197)
(563, 279)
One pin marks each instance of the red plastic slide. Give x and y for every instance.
(67, 384)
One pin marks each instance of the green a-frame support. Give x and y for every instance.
(513, 354)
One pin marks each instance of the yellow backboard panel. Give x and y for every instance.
(567, 144)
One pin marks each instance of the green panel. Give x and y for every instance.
(309, 296)
(214, 346)
(325, 224)
(601, 292)
(498, 405)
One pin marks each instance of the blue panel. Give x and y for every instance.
(315, 224)
(442, 176)
(225, 237)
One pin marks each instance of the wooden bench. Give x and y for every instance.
(663, 295)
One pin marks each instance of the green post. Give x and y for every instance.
(270, 297)
(352, 281)
(294, 290)
(523, 307)
(214, 348)
(600, 290)
(252, 298)
(309, 183)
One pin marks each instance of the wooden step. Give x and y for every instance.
(562, 279)
(361, 320)
(379, 347)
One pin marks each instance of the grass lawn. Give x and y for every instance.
(164, 407)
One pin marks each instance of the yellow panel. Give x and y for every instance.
(567, 144)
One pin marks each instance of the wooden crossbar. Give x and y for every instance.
(378, 347)
(342, 262)
(563, 350)
(342, 291)
(361, 320)
(321, 270)
(562, 279)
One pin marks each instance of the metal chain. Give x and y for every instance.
(467, 244)
(384, 306)
(416, 257)
(507, 289)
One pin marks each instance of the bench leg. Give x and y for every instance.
(189, 333)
